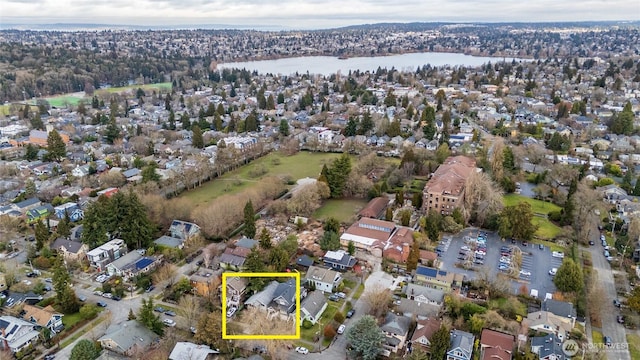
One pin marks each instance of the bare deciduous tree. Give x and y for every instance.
(585, 202)
(189, 308)
(483, 198)
(378, 299)
(166, 272)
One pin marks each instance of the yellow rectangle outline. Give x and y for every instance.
(225, 275)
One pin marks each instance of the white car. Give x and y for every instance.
(553, 271)
(558, 254)
(231, 311)
(169, 322)
(341, 329)
(302, 350)
(525, 273)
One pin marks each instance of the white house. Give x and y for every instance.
(16, 334)
(325, 280)
(312, 307)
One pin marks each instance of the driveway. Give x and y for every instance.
(608, 312)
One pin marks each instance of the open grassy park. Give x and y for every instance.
(301, 165)
(546, 229)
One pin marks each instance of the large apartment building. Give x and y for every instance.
(444, 192)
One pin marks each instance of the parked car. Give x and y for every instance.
(333, 297)
(341, 295)
(32, 274)
(341, 329)
(620, 319)
(107, 295)
(170, 313)
(97, 292)
(607, 341)
(231, 311)
(302, 350)
(150, 288)
(82, 298)
(159, 309)
(350, 313)
(49, 357)
(102, 304)
(558, 254)
(169, 322)
(553, 271)
(525, 273)
(540, 246)
(116, 298)
(591, 242)
(617, 303)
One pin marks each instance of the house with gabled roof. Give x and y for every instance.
(128, 338)
(339, 260)
(495, 345)
(169, 242)
(395, 330)
(312, 307)
(375, 208)
(368, 234)
(183, 229)
(322, 279)
(28, 204)
(424, 331)
(460, 345)
(284, 299)
(191, 351)
(263, 298)
(71, 250)
(16, 334)
(46, 317)
(236, 289)
(424, 294)
(437, 279)
(547, 347)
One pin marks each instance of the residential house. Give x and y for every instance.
(339, 260)
(246, 243)
(104, 254)
(411, 308)
(548, 347)
(131, 265)
(368, 234)
(16, 334)
(169, 242)
(444, 192)
(16, 298)
(46, 317)
(438, 279)
(190, 351)
(428, 258)
(304, 261)
(183, 229)
(495, 345)
(395, 330)
(560, 308)
(128, 338)
(276, 298)
(39, 213)
(236, 289)
(39, 137)
(461, 345)
(204, 283)
(28, 204)
(424, 331)
(375, 208)
(312, 307)
(233, 259)
(424, 294)
(80, 171)
(324, 280)
(71, 250)
(550, 323)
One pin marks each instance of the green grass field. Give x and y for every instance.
(597, 337)
(344, 210)
(546, 229)
(64, 100)
(538, 206)
(145, 87)
(4, 110)
(301, 165)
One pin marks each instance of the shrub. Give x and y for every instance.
(329, 332)
(41, 262)
(338, 317)
(555, 215)
(306, 324)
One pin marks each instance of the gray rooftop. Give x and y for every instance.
(128, 334)
(313, 302)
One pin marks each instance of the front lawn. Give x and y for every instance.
(70, 320)
(358, 293)
(327, 317)
(344, 210)
(597, 337)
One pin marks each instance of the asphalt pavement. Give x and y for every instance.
(608, 312)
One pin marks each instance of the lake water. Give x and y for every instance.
(327, 65)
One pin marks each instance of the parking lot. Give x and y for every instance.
(534, 270)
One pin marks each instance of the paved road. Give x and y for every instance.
(608, 312)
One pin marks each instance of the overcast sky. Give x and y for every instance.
(306, 14)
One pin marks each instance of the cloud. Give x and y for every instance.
(313, 13)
